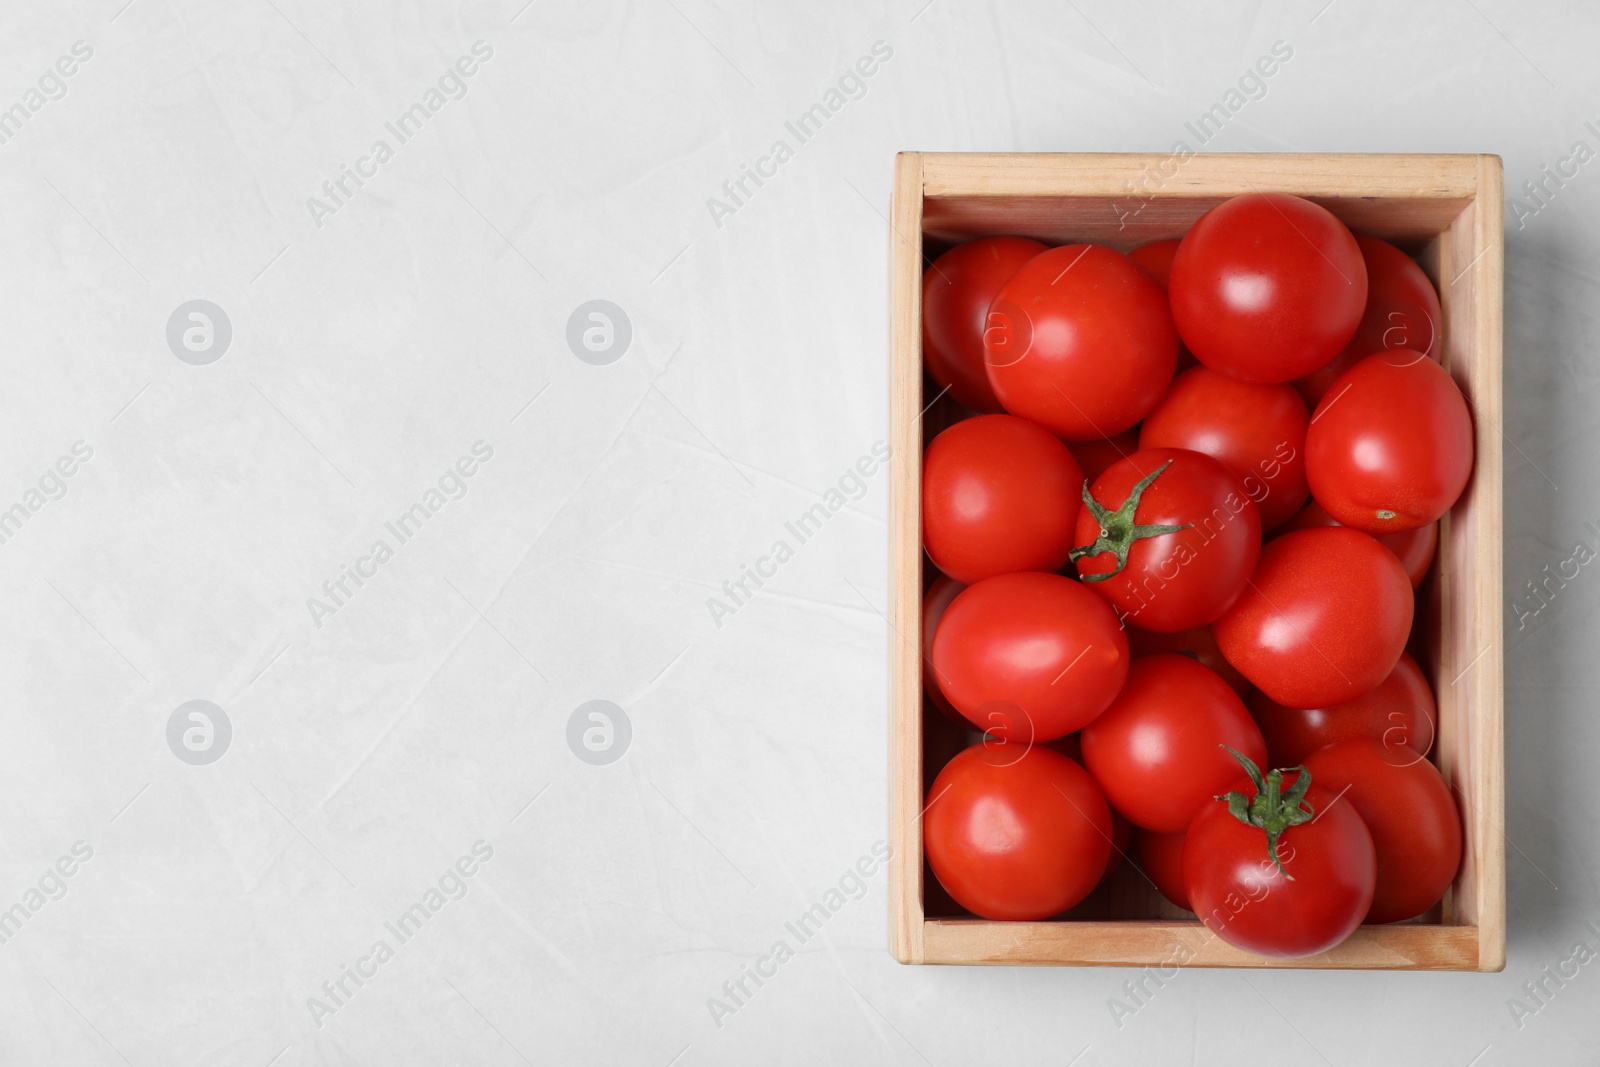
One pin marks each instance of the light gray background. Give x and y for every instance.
(368, 354)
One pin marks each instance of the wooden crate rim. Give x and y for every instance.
(1444, 176)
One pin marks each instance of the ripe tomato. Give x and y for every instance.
(934, 601)
(999, 494)
(1413, 548)
(1257, 431)
(1399, 715)
(1323, 620)
(1081, 341)
(1199, 644)
(1412, 818)
(1178, 547)
(1016, 832)
(1029, 656)
(1161, 857)
(1402, 312)
(1267, 287)
(1158, 750)
(1156, 259)
(1390, 446)
(1278, 868)
(1095, 456)
(957, 289)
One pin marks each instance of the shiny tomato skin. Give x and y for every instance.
(1402, 312)
(1095, 456)
(1176, 581)
(1267, 287)
(957, 289)
(1161, 858)
(1016, 832)
(1400, 715)
(999, 494)
(1242, 897)
(1323, 619)
(1390, 447)
(1411, 815)
(1081, 341)
(1199, 644)
(1414, 549)
(1157, 750)
(934, 602)
(1257, 431)
(1006, 642)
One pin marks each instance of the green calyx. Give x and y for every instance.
(1118, 531)
(1271, 809)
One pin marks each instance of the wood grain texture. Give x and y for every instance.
(1187, 944)
(1444, 209)
(1125, 200)
(1473, 630)
(905, 564)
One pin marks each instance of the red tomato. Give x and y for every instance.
(1413, 548)
(1402, 312)
(1412, 818)
(1016, 832)
(957, 289)
(1180, 545)
(1324, 619)
(999, 494)
(1257, 431)
(1156, 258)
(1161, 857)
(1267, 287)
(1199, 644)
(1081, 341)
(1029, 656)
(1158, 750)
(1399, 714)
(1295, 893)
(1095, 456)
(934, 601)
(1390, 446)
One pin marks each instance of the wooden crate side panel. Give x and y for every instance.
(1221, 175)
(1124, 200)
(1125, 224)
(1188, 944)
(905, 565)
(1475, 658)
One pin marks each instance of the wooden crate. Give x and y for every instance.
(1444, 209)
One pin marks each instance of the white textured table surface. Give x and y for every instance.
(407, 739)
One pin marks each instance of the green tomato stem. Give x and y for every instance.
(1118, 530)
(1271, 809)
